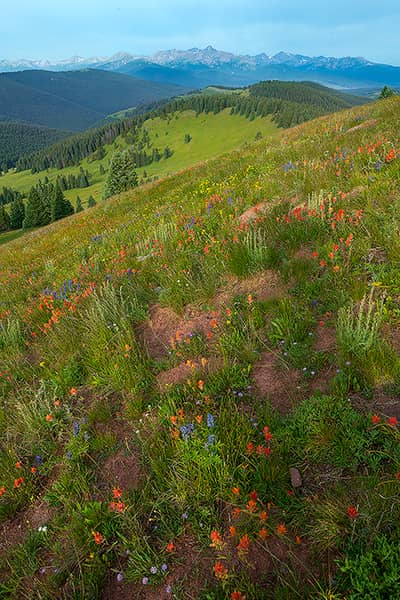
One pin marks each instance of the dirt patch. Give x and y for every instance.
(391, 334)
(14, 531)
(325, 339)
(282, 386)
(165, 326)
(321, 382)
(277, 558)
(265, 285)
(179, 374)
(254, 212)
(365, 125)
(174, 376)
(382, 403)
(304, 253)
(122, 470)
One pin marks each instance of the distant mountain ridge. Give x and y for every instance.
(198, 67)
(74, 100)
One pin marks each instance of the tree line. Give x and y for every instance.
(21, 139)
(45, 204)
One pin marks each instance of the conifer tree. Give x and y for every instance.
(4, 219)
(33, 209)
(121, 175)
(17, 214)
(91, 201)
(60, 206)
(78, 207)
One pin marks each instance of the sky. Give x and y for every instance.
(59, 29)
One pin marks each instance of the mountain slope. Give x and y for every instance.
(73, 100)
(200, 379)
(19, 139)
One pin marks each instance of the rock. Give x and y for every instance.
(295, 477)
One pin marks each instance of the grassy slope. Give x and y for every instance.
(272, 304)
(212, 135)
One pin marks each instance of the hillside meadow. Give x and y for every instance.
(212, 134)
(200, 378)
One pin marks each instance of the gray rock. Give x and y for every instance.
(295, 477)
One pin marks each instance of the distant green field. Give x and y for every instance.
(212, 135)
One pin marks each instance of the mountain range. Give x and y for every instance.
(74, 100)
(196, 67)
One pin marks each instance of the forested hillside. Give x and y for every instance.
(74, 100)
(21, 139)
(286, 102)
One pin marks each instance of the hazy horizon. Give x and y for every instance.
(44, 31)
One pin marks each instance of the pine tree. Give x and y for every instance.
(60, 206)
(78, 207)
(33, 209)
(121, 175)
(17, 214)
(91, 201)
(4, 219)
(386, 92)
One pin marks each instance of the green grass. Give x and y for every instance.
(212, 135)
(164, 364)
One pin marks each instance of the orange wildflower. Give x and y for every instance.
(250, 448)
(213, 323)
(232, 531)
(98, 538)
(297, 539)
(181, 413)
(173, 419)
(216, 539)
(175, 434)
(263, 515)
(237, 596)
(117, 493)
(199, 418)
(18, 464)
(281, 529)
(49, 417)
(220, 571)
(249, 299)
(243, 545)
(236, 491)
(200, 385)
(252, 505)
(236, 512)
(73, 391)
(2, 490)
(33, 470)
(18, 482)
(170, 547)
(263, 533)
(352, 512)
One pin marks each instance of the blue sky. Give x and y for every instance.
(62, 28)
